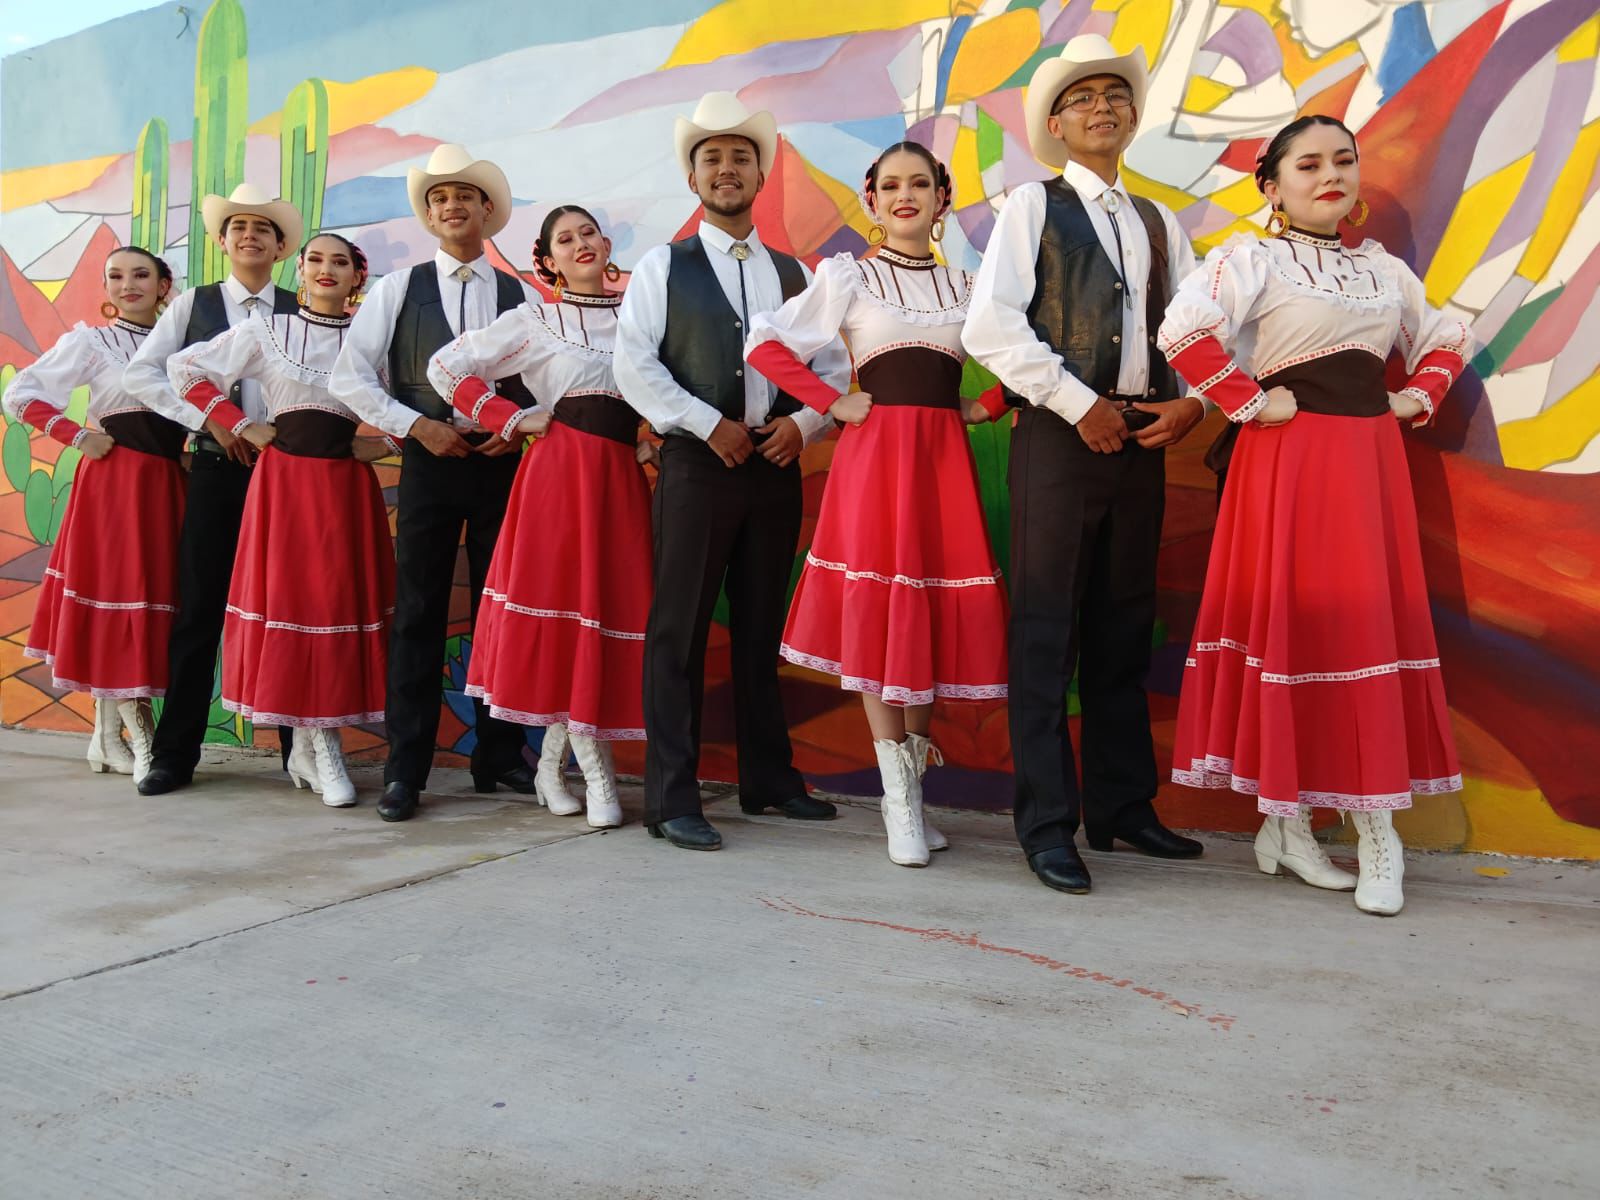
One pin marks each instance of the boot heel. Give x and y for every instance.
(655, 831)
(100, 768)
(484, 783)
(1267, 865)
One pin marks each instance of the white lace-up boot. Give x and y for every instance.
(302, 764)
(600, 780)
(902, 804)
(1288, 842)
(140, 723)
(922, 749)
(107, 750)
(550, 780)
(337, 790)
(1383, 863)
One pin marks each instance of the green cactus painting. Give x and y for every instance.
(149, 227)
(303, 153)
(220, 102)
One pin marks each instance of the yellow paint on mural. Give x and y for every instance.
(1202, 95)
(50, 287)
(1141, 23)
(31, 185)
(1507, 820)
(1556, 435)
(738, 26)
(1478, 214)
(1142, 185)
(364, 101)
(990, 53)
(1582, 43)
(964, 170)
(842, 198)
(1561, 207)
(1299, 66)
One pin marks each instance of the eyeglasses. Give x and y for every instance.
(1117, 97)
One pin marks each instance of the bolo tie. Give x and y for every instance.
(1112, 203)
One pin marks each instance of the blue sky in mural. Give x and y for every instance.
(26, 23)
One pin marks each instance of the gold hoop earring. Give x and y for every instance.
(301, 297)
(109, 311)
(937, 231)
(613, 272)
(353, 301)
(877, 235)
(1277, 223)
(560, 283)
(1358, 222)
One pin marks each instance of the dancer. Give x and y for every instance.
(109, 593)
(727, 505)
(313, 578)
(900, 596)
(454, 473)
(563, 647)
(255, 233)
(1064, 311)
(1313, 677)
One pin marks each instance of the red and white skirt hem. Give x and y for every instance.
(72, 685)
(890, 693)
(1217, 773)
(267, 718)
(583, 728)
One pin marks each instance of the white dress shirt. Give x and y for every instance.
(146, 376)
(997, 331)
(642, 322)
(360, 377)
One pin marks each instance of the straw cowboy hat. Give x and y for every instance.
(450, 163)
(1081, 58)
(252, 201)
(720, 113)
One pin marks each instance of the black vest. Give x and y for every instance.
(1077, 295)
(209, 318)
(703, 345)
(421, 330)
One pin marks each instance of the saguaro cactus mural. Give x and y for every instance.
(303, 153)
(149, 228)
(220, 103)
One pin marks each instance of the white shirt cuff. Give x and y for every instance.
(702, 421)
(1071, 399)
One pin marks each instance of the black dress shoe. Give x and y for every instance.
(1154, 839)
(692, 833)
(158, 781)
(801, 808)
(518, 778)
(399, 802)
(1061, 869)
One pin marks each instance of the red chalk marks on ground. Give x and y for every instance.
(972, 941)
(1324, 1103)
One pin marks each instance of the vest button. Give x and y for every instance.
(1152, 392)
(738, 324)
(1118, 286)
(1116, 337)
(740, 372)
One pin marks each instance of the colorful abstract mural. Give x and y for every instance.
(1480, 129)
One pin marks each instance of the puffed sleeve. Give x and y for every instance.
(1203, 322)
(39, 393)
(464, 371)
(1436, 344)
(201, 374)
(781, 343)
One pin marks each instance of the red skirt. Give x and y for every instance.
(900, 596)
(110, 593)
(560, 632)
(306, 635)
(1314, 676)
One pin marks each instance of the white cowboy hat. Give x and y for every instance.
(450, 163)
(1086, 55)
(252, 201)
(721, 113)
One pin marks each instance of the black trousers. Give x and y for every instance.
(437, 497)
(718, 527)
(206, 546)
(1085, 534)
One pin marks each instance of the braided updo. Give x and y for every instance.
(541, 244)
(358, 256)
(941, 176)
(1271, 157)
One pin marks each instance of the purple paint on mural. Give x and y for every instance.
(852, 85)
(1558, 131)
(1248, 40)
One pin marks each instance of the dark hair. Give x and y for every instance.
(541, 244)
(357, 255)
(1272, 156)
(232, 217)
(163, 271)
(695, 149)
(458, 182)
(941, 177)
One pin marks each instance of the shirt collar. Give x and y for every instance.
(448, 264)
(1089, 185)
(721, 241)
(238, 293)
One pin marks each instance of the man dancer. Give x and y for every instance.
(453, 472)
(1065, 311)
(727, 504)
(256, 234)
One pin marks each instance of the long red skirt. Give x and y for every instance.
(900, 596)
(1314, 676)
(560, 632)
(110, 592)
(306, 635)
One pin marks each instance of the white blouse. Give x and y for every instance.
(559, 350)
(96, 355)
(1274, 303)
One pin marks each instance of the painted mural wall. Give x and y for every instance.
(1480, 130)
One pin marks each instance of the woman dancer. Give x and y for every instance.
(313, 579)
(106, 604)
(900, 596)
(1314, 676)
(560, 634)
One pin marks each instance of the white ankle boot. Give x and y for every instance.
(107, 750)
(902, 804)
(140, 723)
(1383, 863)
(600, 780)
(337, 790)
(922, 748)
(550, 780)
(1288, 842)
(302, 764)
